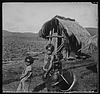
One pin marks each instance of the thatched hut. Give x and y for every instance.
(69, 28)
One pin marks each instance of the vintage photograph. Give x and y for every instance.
(50, 47)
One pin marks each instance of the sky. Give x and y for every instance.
(29, 17)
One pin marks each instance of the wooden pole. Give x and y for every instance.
(50, 35)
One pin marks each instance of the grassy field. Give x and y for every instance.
(14, 52)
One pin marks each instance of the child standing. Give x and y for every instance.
(26, 75)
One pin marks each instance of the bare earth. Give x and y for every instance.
(87, 80)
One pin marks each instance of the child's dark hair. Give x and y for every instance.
(29, 59)
(50, 47)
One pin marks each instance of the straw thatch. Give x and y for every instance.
(92, 44)
(76, 34)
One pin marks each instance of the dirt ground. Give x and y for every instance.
(87, 80)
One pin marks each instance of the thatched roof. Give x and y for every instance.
(68, 25)
(93, 40)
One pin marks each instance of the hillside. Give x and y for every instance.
(16, 45)
(92, 31)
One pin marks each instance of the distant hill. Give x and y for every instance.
(92, 31)
(6, 33)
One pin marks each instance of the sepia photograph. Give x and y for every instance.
(50, 47)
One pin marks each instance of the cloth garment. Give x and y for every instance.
(47, 62)
(24, 83)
